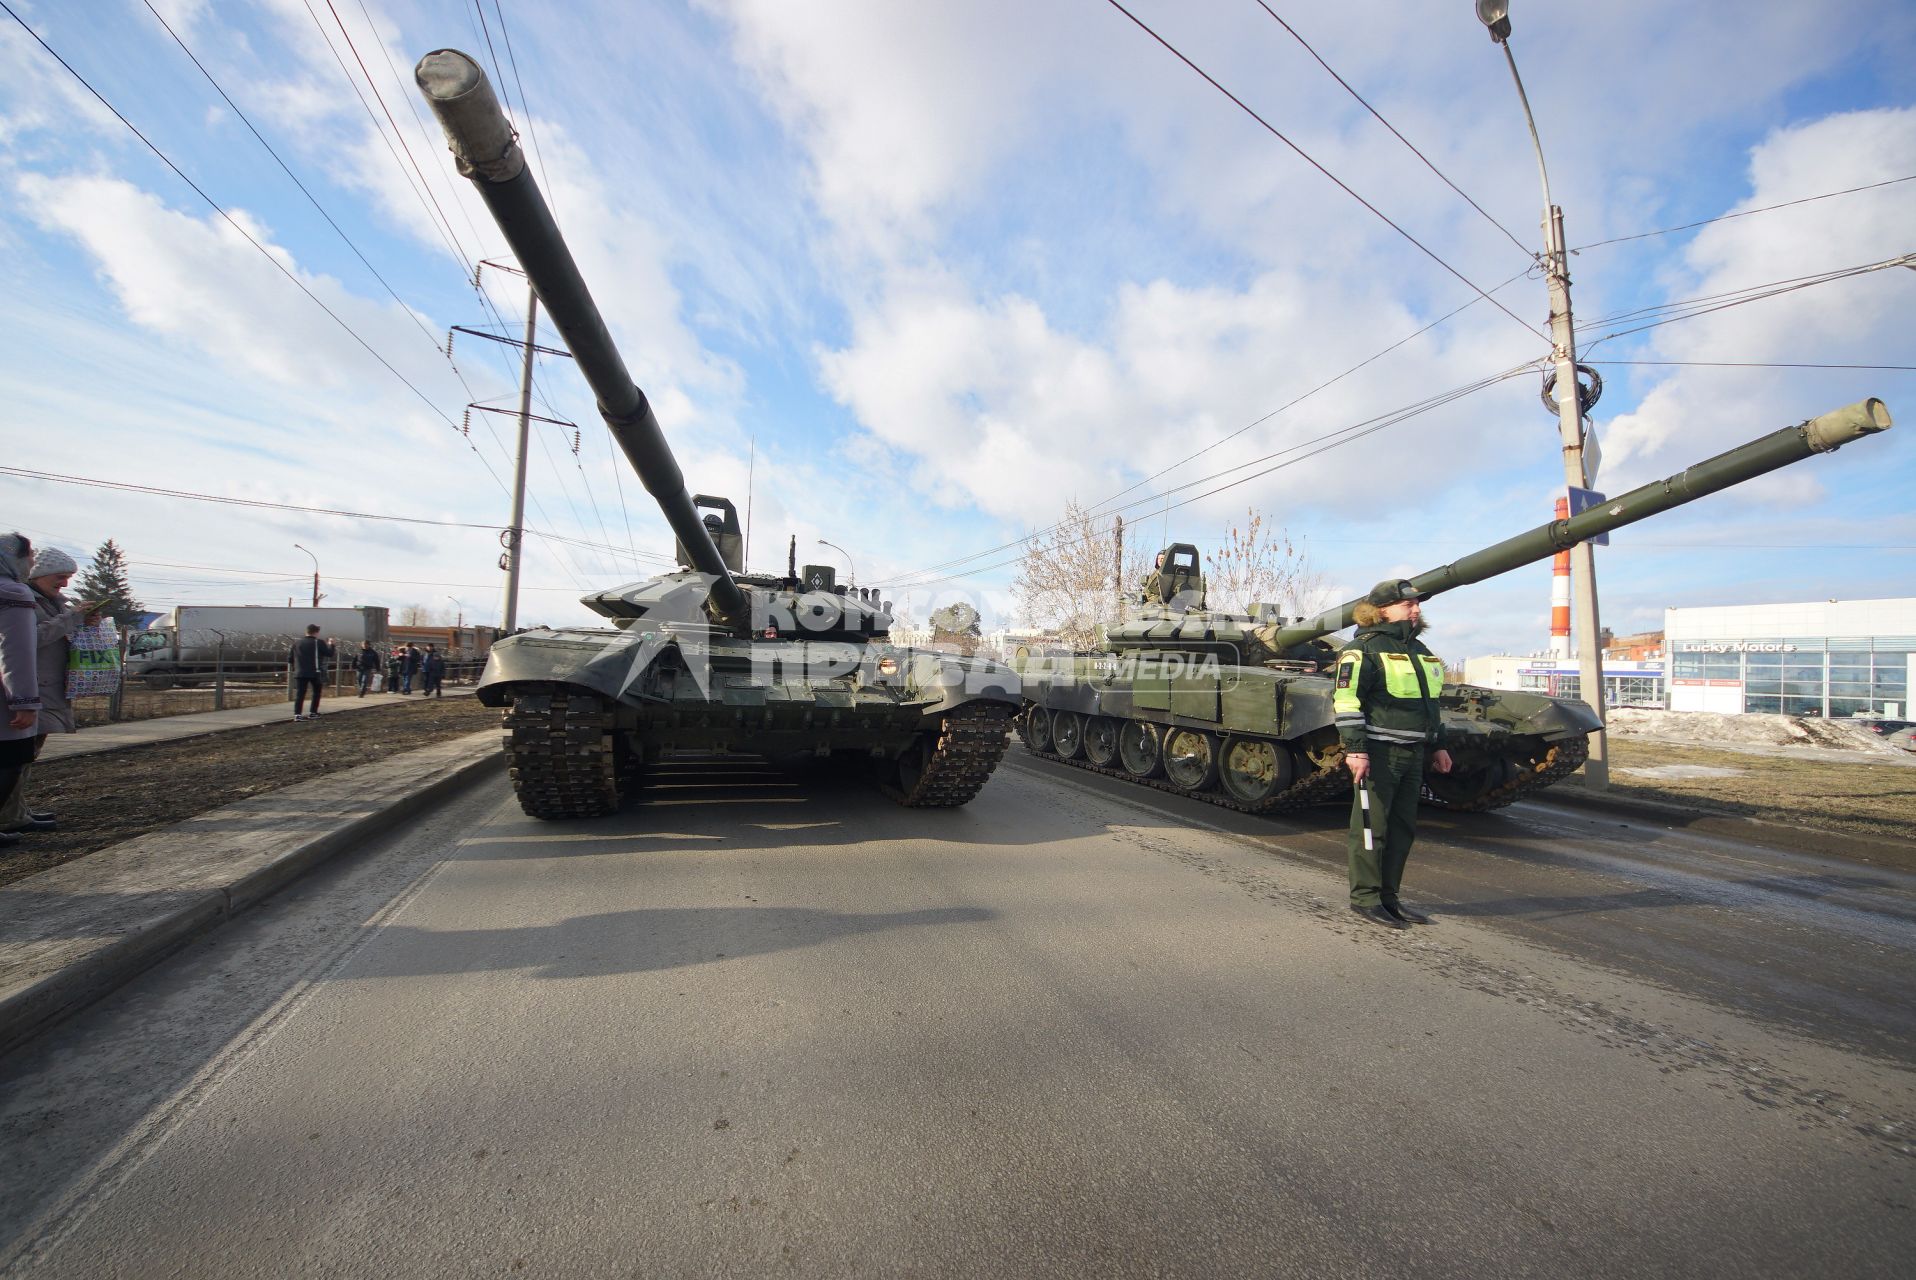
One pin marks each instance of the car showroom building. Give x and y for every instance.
(1819, 658)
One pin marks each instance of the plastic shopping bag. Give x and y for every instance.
(93, 660)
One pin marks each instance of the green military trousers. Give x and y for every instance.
(1396, 780)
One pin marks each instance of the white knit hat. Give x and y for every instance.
(51, 562)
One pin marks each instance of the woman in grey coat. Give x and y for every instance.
(55, 622)
(19, 667)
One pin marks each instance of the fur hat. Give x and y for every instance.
(50, 562)
(1392, 590)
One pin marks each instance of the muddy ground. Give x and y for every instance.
(1868, 798)
(110, 796)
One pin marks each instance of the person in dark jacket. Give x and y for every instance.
(1388, 719)
(432, 672)
(308, 658)
(410, 660)
(56, 619)
(19, 666)
(366, 663)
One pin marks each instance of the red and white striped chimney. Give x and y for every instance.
(1560, 594)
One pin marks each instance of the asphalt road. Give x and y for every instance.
(1072, 1029)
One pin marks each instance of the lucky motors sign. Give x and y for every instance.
(1734, 646)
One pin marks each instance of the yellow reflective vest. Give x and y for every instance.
(1388, 684)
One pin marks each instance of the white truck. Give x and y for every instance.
(196, 643)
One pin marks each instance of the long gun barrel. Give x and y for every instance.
(488, 153)
(1778, 449)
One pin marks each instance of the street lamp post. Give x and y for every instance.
(850, 568)
(315, 560)
(1495, 14)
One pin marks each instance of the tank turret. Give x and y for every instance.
(1230, 707)
(713, 658)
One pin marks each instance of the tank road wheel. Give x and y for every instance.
(946, 766)
(1035, 729)
(562, 756)
(1252, 770)
(1067, 734)
(1190, 759)
(1101, 741)
(1139, 751)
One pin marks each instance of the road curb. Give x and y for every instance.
(75, 932)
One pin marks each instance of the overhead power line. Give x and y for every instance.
(269, 575)
(1306, 156)
(229, 219)
(1521, 246)
(226, 499)
(1756, 364)
(1745, 213)
(532, 124)
(1299, 399)
(281, 162)
(1690, 308)
(1303, 450)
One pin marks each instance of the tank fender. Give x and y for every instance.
(611, 664)
(942, 681)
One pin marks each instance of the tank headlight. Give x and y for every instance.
(888, 666)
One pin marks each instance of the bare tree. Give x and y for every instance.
(1065, 580)
(1259, 564)
(419, 615)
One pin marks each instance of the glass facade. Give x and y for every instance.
(1637, 690)
(1802, 676)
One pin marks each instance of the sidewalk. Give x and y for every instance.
(74, 932)
(134, 733)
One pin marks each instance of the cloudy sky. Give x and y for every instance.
(923, 272)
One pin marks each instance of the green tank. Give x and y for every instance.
(1237, 709)
(709, 659)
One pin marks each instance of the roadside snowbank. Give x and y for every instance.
(1713, 729)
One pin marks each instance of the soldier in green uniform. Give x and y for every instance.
(1387, 717)
(1153, 582)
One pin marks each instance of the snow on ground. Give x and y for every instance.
(1759, 734)
(1678, 772)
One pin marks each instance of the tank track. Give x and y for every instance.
(559, 750)
(1559, 762)
(1323, 787)
(971, 742)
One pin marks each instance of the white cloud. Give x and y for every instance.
(1857, 321)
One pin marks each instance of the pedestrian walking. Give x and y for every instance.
(410, 660)
(1388, 719)
(432, 671)
(55, 621)
(19, 666)
(366, 664)
(308, 657)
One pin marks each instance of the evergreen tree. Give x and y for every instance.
(105, 580)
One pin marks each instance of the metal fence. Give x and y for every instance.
(239, 684)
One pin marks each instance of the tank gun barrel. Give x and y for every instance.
(1825, 434)
(488, 152)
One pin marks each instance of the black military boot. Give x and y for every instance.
(1378, 915)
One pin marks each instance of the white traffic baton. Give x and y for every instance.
(1363, 795)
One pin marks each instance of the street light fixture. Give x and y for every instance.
(315, 560)
(852, 569)
(1571, 402)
